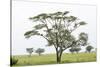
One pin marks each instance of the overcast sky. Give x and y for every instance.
(22, 10)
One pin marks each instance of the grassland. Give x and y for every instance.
(51, 59)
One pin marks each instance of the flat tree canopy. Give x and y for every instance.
(89, 48)
(29, 50)
(40, 51)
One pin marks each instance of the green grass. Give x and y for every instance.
(51, 59)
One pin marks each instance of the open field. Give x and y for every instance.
(51, 59)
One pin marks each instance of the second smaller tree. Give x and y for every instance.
(72, 50)
(89, 48)
(40, 51)
(29, 50)
(77, 50)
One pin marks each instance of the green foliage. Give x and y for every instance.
(71, 18)
(28, 34)
(66, 12)
(39, 26)
(83, 38)
(57, 28)
(82, 23)
(13, 61)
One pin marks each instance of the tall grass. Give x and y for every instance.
(51, 59)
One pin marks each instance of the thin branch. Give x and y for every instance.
(47, 29)
(45, 38)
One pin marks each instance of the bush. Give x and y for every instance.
(13, 61)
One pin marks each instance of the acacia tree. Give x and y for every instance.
(89, 48)
(71, 50)
(39, 51)
(29, 50)
(77, 50)
(57, 29)
(74, 49)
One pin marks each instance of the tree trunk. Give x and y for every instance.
(39, 54)
(58, 56)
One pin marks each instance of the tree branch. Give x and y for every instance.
(74, 29)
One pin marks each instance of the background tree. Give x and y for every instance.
(29, 50)
(77, 50)
(74, 49)
(89, 48)
(71, 50)
(57, 29)
(40, 51)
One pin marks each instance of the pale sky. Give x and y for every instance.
(21, 11)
